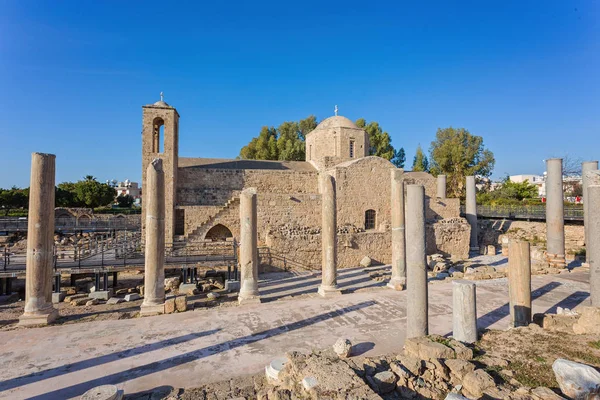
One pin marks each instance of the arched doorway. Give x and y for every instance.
(218, 233)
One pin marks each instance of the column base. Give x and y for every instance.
(556, 260)
(329, 291)
(249, 299)
(397, 283)
(45, 318)
(147, 310)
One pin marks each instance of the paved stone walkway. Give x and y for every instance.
(197, 347)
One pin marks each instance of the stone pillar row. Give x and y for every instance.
(586, 169)
(471, 212)
(398, 279)
(248, 248)
(519, 282)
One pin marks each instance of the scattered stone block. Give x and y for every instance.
(342, 347)
(206, 287)
(141, 289)
(114, 300)
(455, 396)
(101, 294)
(555, 322)
(181, 303)
(588, 322)
(132, 297)
(413, 364)
(366, 262)
(187, 288)
(69, 299)
(172, 283)
(92, 302)
(213, 296)
(58, 297)
(385, 381)
(426, 349)
(491, 250)
(232, 286)
(576, 380)
(80, 301)
(170, 305)
(476, 382)
(459, 368)
(121, 292)
(104, 392)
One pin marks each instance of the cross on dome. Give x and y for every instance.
(335, 110)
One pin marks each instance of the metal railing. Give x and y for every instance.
(122, 250)
(524, 212)
(68, 224)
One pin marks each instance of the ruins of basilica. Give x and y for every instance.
(203, 196)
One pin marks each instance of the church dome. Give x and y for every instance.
(336, 122)
(161, 103)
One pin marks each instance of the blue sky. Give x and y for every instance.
(74, 75)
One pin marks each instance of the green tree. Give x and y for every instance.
(125, 201)
(420, 162)
(91, 193)
(283, 143)
(399, 158)
(457, 154)
(13, 198)
(65, 195)
(508, 192)
(380, 142)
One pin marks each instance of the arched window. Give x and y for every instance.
(218, 233)
(157, 134)
(370, 219)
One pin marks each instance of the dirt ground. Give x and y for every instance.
(532, 350)
(68, 314)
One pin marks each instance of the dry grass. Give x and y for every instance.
(532, 351)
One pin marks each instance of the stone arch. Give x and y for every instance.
(370, 219)
(218, 233)
(158, 125)
(84, 220)
(64, 218)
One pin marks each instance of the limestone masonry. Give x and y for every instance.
(203, 196)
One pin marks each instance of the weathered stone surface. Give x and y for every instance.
(80, 301)
(385, 381)
(114, 300)
(576, 380)
(588, 322)
(58, 297)
(92, 302)
(132, 297)
(366, 261)
(459, 368)
(555, 322)
(181, 303)
(309, 382)
(104, 392)
(170, 305)
(424, 348)
(101, 294)
(172, 283)
(477, 382)
(187, 288)
(543, 393)
(69, 299)
(455, 396)
(343, 347)
(232, 286)
(413, 364)
(213, 296)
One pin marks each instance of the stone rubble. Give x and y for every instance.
(576, 380)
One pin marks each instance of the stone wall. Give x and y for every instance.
(492, 232)
(449, 237)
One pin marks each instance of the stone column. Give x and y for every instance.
(441, 186)
(40, 243)
(471, 213)
(586, 168)
(248, 248)
(154, 270)
(416, 266)
(398, 279)
(328, 285)
(593, 250)
(464, 311)
(555, 214)
(519, 282)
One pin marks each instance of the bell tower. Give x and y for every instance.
(160, 139)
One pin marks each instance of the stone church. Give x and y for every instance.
(202, 196)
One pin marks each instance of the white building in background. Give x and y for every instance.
(537, 180)
(128, 188)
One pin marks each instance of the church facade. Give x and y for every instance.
(202, 196)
